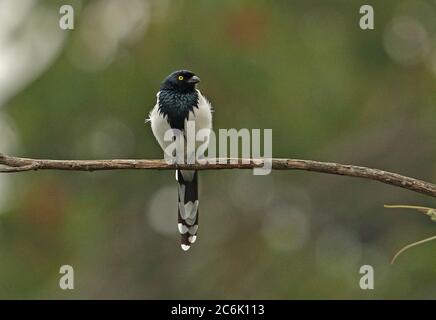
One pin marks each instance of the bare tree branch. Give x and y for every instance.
(15, 164)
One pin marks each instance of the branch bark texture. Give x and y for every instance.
(9, 164)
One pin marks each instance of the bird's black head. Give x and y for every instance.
(182, 81)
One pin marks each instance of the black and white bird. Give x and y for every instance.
(179, 101)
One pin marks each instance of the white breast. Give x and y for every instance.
(201, 115)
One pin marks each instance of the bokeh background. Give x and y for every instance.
(329, 90)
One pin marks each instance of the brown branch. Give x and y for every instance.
(15, 164)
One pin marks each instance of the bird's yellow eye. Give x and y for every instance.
(180, 78)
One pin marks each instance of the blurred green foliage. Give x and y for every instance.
(329, 90)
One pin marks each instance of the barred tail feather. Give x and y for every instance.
(187, 206)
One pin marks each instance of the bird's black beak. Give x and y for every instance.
(194, 80)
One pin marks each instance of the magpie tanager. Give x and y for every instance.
(179, 101)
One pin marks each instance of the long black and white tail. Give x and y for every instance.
(187, 206)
